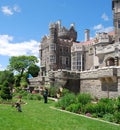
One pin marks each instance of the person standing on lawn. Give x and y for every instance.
(45, 95)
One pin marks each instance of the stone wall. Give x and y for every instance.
(104, 82)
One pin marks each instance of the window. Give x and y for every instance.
(53, 47)
(60, 60)
(91, 50)
(67, 61)
(119, 23)
(60, 49)
(67, 49)
(52, 59)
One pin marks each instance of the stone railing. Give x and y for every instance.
(66, 74)
(99, 73)
(90, 74)
(107, 49)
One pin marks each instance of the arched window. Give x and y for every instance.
(110, 62)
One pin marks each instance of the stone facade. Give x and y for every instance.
(91, 66)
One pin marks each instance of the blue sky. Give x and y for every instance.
(24, 22)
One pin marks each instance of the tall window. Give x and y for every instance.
(52, 59)
(67, 61)
(119, 23)
(53, 47)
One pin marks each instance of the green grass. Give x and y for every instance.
(39, 116)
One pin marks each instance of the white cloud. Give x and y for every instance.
(10, 10)
(104, 17)
(16, 8)
(6, 10)
(8, 48)
(101, 28)
(98, 27)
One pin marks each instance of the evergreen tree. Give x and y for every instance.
(5, 91)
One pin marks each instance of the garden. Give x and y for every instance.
(36, 115)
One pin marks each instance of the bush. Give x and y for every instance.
(53, 91)
(34, 97)
(108, 104)
(100, 109)
(108, 117)
(74, 108)
(89, 108)
(84, 98)
(21, 93)
(64, 92)
(66, 100)
(118, 104)
(117, 117)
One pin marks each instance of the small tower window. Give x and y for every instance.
(119, 23)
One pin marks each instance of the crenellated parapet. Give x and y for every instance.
(62, 32)
(102, 38)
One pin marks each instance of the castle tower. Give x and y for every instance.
(52, 46)
(116, 18)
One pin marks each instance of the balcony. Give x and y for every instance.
(99, 73)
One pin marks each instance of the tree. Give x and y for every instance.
(7, 76)
(21, 63)
(5, 91)
(33, 70)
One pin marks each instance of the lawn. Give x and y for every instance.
(39, 116)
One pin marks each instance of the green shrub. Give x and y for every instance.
(38, 97)
(21, 93)
(89, 108)
(53, 91)
(34, 97)
(118, 104)
(105, 100)
(117, 117)
(64, 92)
(84, 98)
(100, 109)
(30, 97)
(24, 84)
(108, 104)
(66, 100)
(108, 117)
(74, 108)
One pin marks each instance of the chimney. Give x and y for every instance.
(87, 35)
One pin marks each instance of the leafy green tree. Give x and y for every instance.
(21, 64)
(33, 70)
(5, 91)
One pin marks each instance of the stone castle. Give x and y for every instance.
(92, 66)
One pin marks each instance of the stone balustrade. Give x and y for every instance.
(99, 73)
(107, 49)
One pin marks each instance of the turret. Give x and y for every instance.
(69, 34)
(116, 18)
(52, 45)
